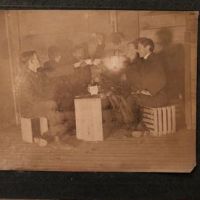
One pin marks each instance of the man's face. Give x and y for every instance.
(57, 58)
(79, 54)
(34, 63)
(92, 48)
(143, 51)
(132, 51)
(100, 39)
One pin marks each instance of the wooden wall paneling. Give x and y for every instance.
(128, 24)
(41, 29)
(153, 21)
(99, 22)
(7, 114)
(188, 111)
(12, 26)
(193, 82)
(191, 42)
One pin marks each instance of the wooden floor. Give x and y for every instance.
(117, 153)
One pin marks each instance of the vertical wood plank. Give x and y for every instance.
(169, 122)
(188, 114)
(160, 129)
(155, 122)
(194, 79)
(12, 21)
(173, 118)
(164, 112)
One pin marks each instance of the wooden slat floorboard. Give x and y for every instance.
(117, 153)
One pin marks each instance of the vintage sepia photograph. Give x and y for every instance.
(98, 90)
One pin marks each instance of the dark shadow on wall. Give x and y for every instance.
(173, 56)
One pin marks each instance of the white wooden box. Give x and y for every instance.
(33, 128)
(160, 121)
(88, 114)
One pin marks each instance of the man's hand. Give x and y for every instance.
(77, 65)
(146, 92)
(135, 92)
(109, 93)
(97, 61)
(81, 63)
(180, 96)
(88, 61)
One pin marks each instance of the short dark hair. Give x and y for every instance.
(100, 34)
(53, 51)
(26, 56)
(83, 47)
(146, 42)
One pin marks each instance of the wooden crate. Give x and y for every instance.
(160, 121)
(88, 114)
(33, 128)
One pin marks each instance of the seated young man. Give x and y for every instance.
(31, 86)
(152, 77)
(32, 92)
(149, 82)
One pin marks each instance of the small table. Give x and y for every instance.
(88, 114)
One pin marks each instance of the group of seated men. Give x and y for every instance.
(128, 79)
